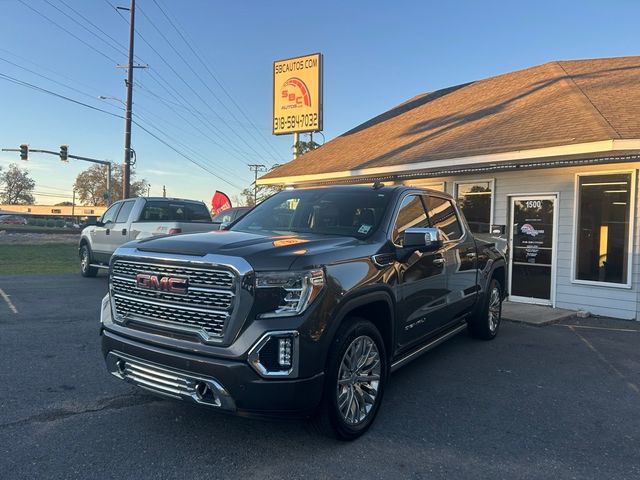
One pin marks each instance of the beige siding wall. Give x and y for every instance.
(599, 300)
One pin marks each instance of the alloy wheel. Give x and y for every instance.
(494, 309)
(358, 380)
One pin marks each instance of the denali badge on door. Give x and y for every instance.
(162, 283)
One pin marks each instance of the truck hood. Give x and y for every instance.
(262, 251)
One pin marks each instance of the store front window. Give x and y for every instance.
(603, 229)
(475, 200)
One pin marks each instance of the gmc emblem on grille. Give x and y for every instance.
(162, 284)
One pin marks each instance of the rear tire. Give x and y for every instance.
(355, 377)
(485, 323)
(86, 270)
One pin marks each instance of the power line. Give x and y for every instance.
(111, 59)
(117, 49)
(231, 150)
(47, 78)
(197, 114)
(42, 67)
(115, 41)
(204, 64)
(242, 139)
(183, 155)
(49, 92)
(184, 146)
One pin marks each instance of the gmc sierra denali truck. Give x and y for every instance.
(134, 219)
(304, 306)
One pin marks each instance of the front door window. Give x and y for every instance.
(532, 248)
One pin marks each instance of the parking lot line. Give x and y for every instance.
(598, 328)
(602, 358)
(8, 300)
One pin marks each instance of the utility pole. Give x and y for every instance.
(126, 175)
(256, 168)
(296, 141)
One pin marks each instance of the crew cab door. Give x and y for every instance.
(459, 254)
(101, 234)
(120, 233)
(422, 282)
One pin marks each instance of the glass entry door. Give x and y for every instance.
(532, 249)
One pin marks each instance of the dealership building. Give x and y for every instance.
(546, 158)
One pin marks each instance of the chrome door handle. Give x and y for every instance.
(438, 262)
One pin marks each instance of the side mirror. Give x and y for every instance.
(99, 222)
(225, 225)
(423, 239)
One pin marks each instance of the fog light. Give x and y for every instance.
(285, 346)
(276, 354)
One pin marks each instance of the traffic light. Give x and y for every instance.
(24, 152)
(64, 153)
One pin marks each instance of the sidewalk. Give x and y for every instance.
(537, 315)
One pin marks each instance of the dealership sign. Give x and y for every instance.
(297, 94)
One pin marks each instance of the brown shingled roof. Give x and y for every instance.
(557, 103)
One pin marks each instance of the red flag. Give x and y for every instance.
(220, 202)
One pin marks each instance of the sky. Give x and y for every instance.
(207, 91)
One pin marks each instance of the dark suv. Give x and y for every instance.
(305, 306)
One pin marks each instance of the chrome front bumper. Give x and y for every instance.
(169, 382)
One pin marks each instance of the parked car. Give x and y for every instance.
(228, 216)
(135, 219)
(12, 220)
(304, 306)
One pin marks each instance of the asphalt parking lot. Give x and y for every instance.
(552, 402)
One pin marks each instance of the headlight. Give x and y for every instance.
(294, 291)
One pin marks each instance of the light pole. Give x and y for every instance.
(148, 189)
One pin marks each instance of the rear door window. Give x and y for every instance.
(125, 210)
(442, 215)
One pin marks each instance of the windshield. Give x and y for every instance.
(354, 213)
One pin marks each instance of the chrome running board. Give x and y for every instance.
(425, 348)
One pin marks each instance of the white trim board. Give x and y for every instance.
(534, 153)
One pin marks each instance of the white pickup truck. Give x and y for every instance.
(135, 219)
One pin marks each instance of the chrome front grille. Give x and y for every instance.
(205, 309)
(197, 276)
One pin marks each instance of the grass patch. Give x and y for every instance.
(36, 229)
(46, 258)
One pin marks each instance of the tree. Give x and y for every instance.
(16, 186)
(91, 185)
(64, 204)
(263, 192)
(304, 147)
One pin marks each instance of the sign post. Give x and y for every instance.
(297, 96)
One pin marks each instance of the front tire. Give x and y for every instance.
(485, 323)
(355, 378)
(86, 270)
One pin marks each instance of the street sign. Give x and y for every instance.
(297, 95)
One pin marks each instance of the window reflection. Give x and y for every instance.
(474, 200)
(603, 228)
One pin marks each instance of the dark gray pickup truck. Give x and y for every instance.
(304, 306)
